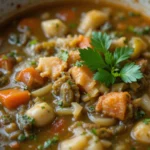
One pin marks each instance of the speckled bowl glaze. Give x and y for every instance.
(10, 7)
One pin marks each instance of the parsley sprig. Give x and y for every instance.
(109, 66)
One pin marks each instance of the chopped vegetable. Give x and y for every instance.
(30, 77)
(51, 67)
(58, 125)
(110, 66)
(84, 42)
(12, 98)
(66, 15)
(31, 23)
(84, 79)
(7, 63)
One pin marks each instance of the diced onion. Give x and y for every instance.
(64, 111)
(145, 102)
(77, 109)
(105, 122)
(42, 91)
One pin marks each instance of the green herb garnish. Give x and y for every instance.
(33, 42)
(4, 57)
(107, 65)
(78, 63)
(93, 130)
(50, 142)
(139, 30)
(146, 121)
(21, 137)
(73, 25)
(63, 55)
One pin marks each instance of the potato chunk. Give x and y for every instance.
(139, 47)
(84, 79)
(42, 113)
(72, 143)
(53, 28)
(114, 104)
(92, 20)
(82, 140)
(141, 132)
(51, 67)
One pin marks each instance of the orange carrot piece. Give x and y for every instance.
(32, 23)
(83, 77)
(58, 125)
(7, 63)
(84, 42)
(14, 145)
(66, 15)
(30, 77)
(12, 98)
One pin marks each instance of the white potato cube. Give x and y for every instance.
(92, 20)
(54, 28)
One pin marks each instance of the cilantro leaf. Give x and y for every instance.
(63, 55)
(100, 42)
(130, 73)
(122, 54)
(92, 58)
(104, 77)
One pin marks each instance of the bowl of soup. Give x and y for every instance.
(74, 75)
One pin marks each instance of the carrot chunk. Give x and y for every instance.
(58, 125)
(30, 77)
(12, 98)
(84, 42)
(84, 79)
(7, 63)
(32, 23)
(66, 15)
(114, 104)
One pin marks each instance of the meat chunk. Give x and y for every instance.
(53, 28)
(114, 104)
(66, 90)
(73, 57)
(51, 67)
(92, 20)
(84, 79)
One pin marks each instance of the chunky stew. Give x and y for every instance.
(75, 77)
